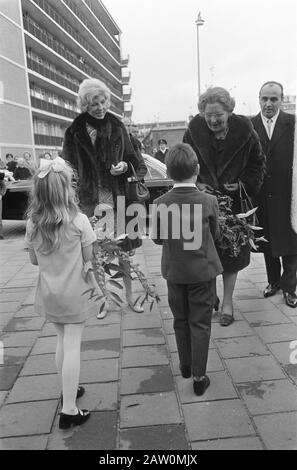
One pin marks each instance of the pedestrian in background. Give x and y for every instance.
(162, 150)
(11, 163)
(276, 209)
(22, 172)
(60, 240)
(190, 272)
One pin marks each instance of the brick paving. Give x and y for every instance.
(130, 370)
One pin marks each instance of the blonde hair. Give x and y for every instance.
(53, 205)
(88, 89)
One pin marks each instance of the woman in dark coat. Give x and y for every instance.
(228, 150)
(98, 147)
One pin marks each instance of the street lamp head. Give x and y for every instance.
(199, 21)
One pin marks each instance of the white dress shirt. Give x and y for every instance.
(184, 185)
(269, 127)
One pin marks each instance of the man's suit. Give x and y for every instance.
(275, 200)
(190, 273)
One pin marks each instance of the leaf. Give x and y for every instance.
(117, 275)
(116, 297)
(99, 297)
(102, 307)
(88, 290)
(115, 284)
(114, 267)
(251, 242)
(255, 228)
(151, 306)
(261, 239)
(106, 269)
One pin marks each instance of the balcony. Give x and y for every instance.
(125, 61)
(127, 95)
(55, 77)
(60, 49)
(48, 140)
(126, 79)
(52, 108)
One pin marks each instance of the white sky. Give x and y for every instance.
(243, 43)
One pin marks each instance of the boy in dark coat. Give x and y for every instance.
(190, 262)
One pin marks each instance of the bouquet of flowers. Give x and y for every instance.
(235, 230)
(108, 272)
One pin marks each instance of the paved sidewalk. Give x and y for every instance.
(130, 371)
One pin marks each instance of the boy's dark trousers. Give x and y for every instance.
(191, 306)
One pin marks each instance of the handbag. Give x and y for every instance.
(247, 205)
(136, 190)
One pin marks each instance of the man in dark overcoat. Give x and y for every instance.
(276, 212)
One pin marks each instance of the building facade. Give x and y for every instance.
(47, 48)
(150, 133)
(289, 104)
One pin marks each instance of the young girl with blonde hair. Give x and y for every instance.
(60, 240)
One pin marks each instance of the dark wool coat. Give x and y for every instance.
(274, 199)
(243, 156)
(79, 151)
(160, 155)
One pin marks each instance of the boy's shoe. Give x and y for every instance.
(201, 385)
(73, 420)
(185, 371)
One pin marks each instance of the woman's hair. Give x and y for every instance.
(88, 89)
(181, 162)
(216, 95)
(53, 205)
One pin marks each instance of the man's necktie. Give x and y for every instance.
(269, 123)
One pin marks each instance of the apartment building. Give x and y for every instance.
(47, 48)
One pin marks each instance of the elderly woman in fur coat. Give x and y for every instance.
(98, 147)
(228, 150)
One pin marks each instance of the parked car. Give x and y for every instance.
(15, 201)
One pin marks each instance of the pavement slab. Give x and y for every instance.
(104, 370)
(19, 338)
(166, 437)
(39, 365)
(45, 345)
(24, 443)
(25, 324)
(98, 433)
(100, 349)
(149, 410)
(277, 333)
(217, 419)
(246, 369)
(143, 336)
(220, 388)
(8, 375)
(278, 431)
(269, 397)
(235, 443)
(135, 322)
(266, 317)
(241, 347)
(144, 356)
(146, 380)
(13, 356)
(100, 397)
(35, 388)
(34, 418)
(238, 328)
(101, 332)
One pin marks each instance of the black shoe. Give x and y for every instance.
(200, 386)
(271, 289)
(291, 299)
(80, 393)
(217, 304)
(73, 420)
(185, 371)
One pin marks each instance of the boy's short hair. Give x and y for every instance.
(181, 162)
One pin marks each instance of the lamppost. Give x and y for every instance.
(199, 22)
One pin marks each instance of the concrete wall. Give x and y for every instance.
(16, 132)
